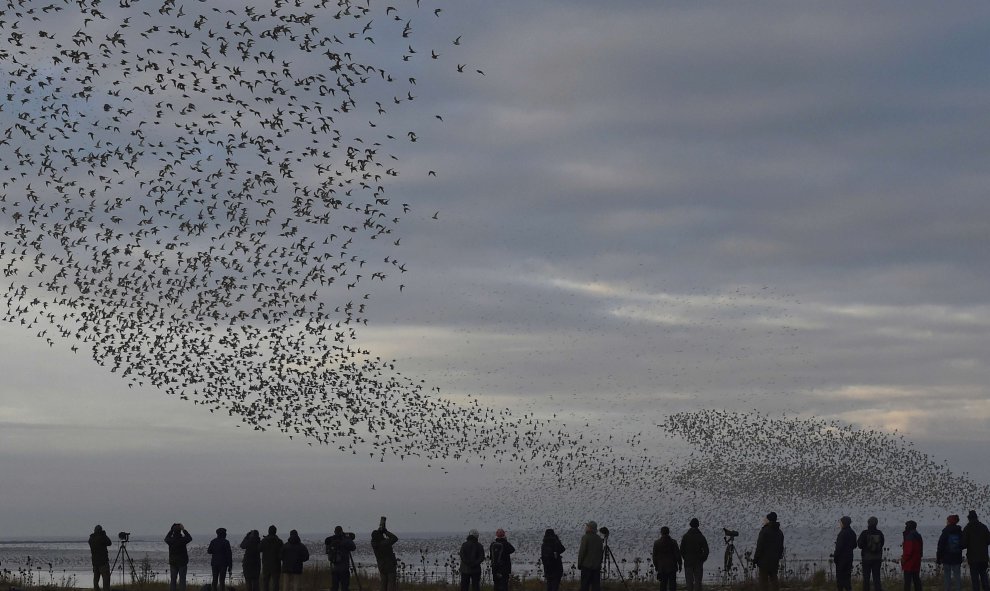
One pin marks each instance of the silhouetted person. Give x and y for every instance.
(667, 560)
(769, 552)
(591, 553)
(294, 555)
(472, 555)
(382, 542)
(221, 559)
(251, 563)
(949, 553)
(844, 554)
(553, 565)
(912, 549)
(694, 553)
(500, 554)
(177, 539)
(271, 560)
(99, 541)
(976, 539)
(871, 543)
(339, 547)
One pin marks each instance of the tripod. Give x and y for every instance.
(122, 556)
(608, 556)
(730, 550)
(354, 570)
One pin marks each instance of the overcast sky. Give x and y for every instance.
(643, 208)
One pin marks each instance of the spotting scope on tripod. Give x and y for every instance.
(123, 556)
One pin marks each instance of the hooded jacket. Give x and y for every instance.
(976, 538)
(911, 551)
(294, 554)
(219, 550)
(252, 554)
(271, 553)
(871, 537)
(472, 555)
(500, 553)
(950, 545)
(98, 544)
(550, 551)
(769, 547)
(694, 547)
(666, 555)
(177, 542)
(845, 546)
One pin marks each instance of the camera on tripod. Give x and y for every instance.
(729, 533)
(124, 536)
(604, 531)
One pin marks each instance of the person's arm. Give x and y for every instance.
(392, 538)
(186, 537)
(582, 551)
(209, 549)
(509, 548)
(560, 547)
(704, 548)
(229, 555)
(305, 553)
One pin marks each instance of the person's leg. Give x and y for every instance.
(774, 582)
(596, 580)
(223, 579)
(345, 580)
(476, 582)
(96, 579)
(173, 574)
(183, 569)
(875, 567)
(465, 581)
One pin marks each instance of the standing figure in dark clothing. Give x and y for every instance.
(339, 547)
(99, 541)
(845, 548)
(871, 543)
(553, 565)
(694, 552)
(382, 542)
(500, 555)
(251, 563)
(667, 560)
(294, 555)
(177, 539)
(912, 549)
(591, 555)
(222, 559)
(271, 560)
(949, 553)
(976, 539)
(769, 552)
(472, 555)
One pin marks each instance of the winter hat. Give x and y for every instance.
(972, 515)
(549, 533)
(952, 519)
(772, 516)
(910, 525)
(222, 532)
(473, 534)
(271, 530)
(665, 531)
(338, 530)
(846, 520)
(500, 533)
(97, 529)
(593, 525)
(694, 522)
(872, 521)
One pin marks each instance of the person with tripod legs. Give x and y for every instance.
(99, 541)
(178, 556)
(339, 547)
(500, 554)
(667, 560)
(694, 552)
(591, 555)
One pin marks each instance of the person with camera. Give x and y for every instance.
(177, 539)
(251, 563)
(472, 555)
(339, 547)
(694, 553)
(382, 542)
(871, 542)
(99, 541)
(667, 560)
(500, 555)
(591, 554)
(843, 556)
(553, 565)
(769, 552)
(294, 555)
(221, 559)
(271, 559)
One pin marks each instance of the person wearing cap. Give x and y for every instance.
(553, 564)
(911, 551)
(591, 553)
(294, 556)
(871, 543)
(271, 560)
(499, 554)
(976, 539)
(845, 547)
(949, 553)
(667, 560)
(177, 539)
(222, 559)
(694, 552)
(769, 552)
(382, 542)
(339, 547)
(472, 556)
(99, 541)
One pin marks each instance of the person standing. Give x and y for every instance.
(591, 553)
(339, 547)
(99, 541)
(553, 565)
(871, 543)
(845, 547)
(769, 552)
(500, 554)
(667, 560)
(271, 560)
(294, 555)
(976, 539)
(949, 553)
(222, 559)
(911, 551)
(694, 552)
(382, 542)
(177, 539)
(472, 555)
(251, 563)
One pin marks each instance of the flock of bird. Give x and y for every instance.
(196, 195)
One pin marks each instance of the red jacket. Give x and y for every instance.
(913, 547)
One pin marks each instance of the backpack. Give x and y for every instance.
(953, 543)
(874, 543)
(331, 548)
